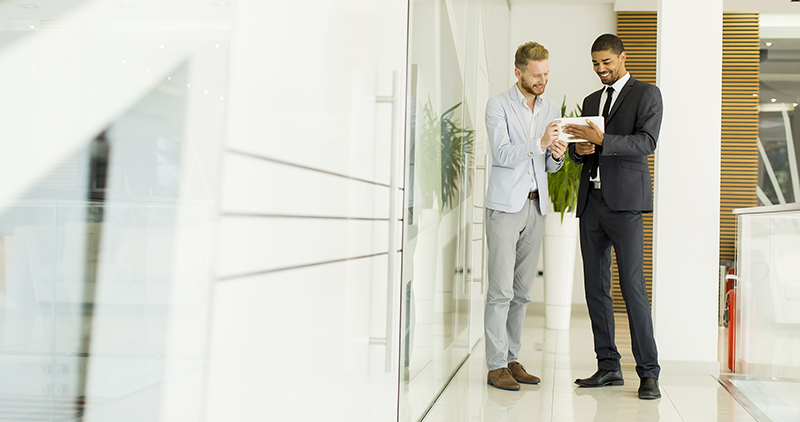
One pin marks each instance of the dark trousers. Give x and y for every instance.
(601, 228)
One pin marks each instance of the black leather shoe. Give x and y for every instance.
(648, 389)
(601, 378)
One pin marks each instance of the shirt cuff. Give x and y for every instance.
(537, 149)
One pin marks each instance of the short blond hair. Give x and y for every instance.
(530, 51)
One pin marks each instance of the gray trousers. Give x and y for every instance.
(514, 241)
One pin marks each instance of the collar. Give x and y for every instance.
(620, 83)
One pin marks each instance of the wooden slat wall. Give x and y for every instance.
(740, 74)
(739, 160)
(637, 30)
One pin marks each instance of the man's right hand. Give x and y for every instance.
(550, 133)
(584, 148)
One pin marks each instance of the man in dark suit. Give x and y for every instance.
(614, 192)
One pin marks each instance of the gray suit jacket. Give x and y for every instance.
(631, 133)
(514, 155)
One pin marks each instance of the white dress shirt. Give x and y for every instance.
(531, 120)
(618, 85)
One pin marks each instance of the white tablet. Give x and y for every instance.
(581, 121)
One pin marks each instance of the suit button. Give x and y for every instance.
(529, 154)
(530, 172)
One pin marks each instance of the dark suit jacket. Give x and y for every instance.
(631, 133)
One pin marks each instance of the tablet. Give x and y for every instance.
(598, 120)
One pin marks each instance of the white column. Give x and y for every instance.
(687, 179)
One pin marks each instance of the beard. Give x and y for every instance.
(532, 90)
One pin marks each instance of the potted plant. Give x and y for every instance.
(560, 239)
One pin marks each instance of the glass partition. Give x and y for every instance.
(439, 153)
(767, 311)
(450, 78)
(108, 209)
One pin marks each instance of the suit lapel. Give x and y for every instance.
(624, 93)
(518, 110)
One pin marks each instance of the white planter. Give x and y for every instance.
(560, 241)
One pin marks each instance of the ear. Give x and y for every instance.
(517, 72)
(622, 57)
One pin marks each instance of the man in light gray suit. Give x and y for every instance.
(522, 128)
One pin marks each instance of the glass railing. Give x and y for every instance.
(765, 357)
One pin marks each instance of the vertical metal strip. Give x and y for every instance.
(394, 99)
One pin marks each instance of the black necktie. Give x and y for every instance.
(606, 108)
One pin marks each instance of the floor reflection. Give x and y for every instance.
(559, 357)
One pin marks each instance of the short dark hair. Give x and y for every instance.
(608, 42)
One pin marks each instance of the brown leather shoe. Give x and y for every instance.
(521, 375)
(501, 378)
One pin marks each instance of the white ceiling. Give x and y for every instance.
(635, 5)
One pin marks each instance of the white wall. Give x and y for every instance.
(570, 67)
(570, 61)
(687, 177)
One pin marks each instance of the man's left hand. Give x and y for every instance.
(592, 133)
(557, 148)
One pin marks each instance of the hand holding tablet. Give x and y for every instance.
(578, 121)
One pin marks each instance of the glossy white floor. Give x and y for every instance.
(559, 357)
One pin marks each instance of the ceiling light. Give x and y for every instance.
(773, 99)
(794, 104)
(768, 44)
(755, 95)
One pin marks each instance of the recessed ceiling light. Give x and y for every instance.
(755, 95)
(28, 6)
(31, 26)
(768, 44)
(773, 99)
(794, 104)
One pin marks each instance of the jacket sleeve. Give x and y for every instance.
(504, 152)
(646, 128)
(551, 164)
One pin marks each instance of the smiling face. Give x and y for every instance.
(533, 79)
(608, 66)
